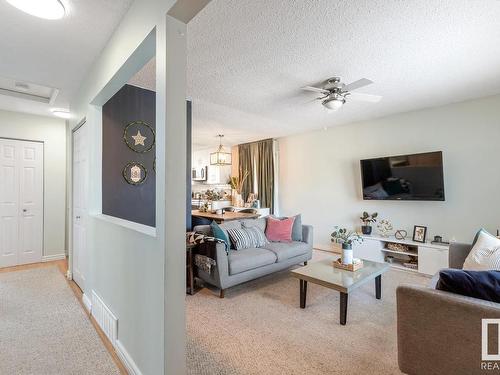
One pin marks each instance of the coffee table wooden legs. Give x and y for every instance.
(303, 293)
(343, 308)
(378, 287)
(343, 297)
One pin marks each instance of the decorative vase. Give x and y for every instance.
(366, 229)
(347, 253)
(236, 199)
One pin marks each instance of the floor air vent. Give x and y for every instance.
(105, 318)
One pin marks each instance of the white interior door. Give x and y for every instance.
(30, 202)
(9, 204)
(80, 189)
(21, 202)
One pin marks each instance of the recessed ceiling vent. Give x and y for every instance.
(28, 91)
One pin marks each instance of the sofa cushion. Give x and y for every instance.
(258, 236)
(249, 259)
(296, 228)
(218, 232)
(485, 253)
(246, 238)
(478, 284)
(233, 224)
(260, 222)
(279, 230)
(287, 250)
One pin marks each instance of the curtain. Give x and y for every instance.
(246, 164)
(264, 160)
(258, 159)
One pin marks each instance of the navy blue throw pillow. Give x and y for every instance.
(478, 284)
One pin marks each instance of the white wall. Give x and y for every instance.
(52, 132)
(140, 276)
(320, 173)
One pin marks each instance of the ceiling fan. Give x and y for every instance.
(335, 93)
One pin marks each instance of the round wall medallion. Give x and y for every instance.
(135, 173)
(139, 136)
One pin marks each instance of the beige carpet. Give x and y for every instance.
(260, 329)
(43, 329)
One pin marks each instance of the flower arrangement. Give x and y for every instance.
(345, 237)
(213, 195)
(204, 207)
(237, 182)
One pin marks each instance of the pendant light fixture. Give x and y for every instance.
(220, 157)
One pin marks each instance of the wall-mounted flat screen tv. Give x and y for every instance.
(415, 177)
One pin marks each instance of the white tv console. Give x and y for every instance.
(431, 257)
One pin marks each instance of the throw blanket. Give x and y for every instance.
(205, 250)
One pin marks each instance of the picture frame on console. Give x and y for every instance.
(419, 233)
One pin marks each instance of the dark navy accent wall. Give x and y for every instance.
(119, 199)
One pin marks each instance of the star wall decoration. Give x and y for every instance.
(139, 138)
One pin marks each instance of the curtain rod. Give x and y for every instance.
(262, 140)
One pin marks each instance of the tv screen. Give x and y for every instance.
(415, 177)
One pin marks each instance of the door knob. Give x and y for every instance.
(25, 210)
(78, 217)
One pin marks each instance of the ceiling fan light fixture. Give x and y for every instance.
(47, 9)
(334, 93)
(334, 104)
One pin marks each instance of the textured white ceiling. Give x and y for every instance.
(54, 53)
(248, 59)
(208, 118)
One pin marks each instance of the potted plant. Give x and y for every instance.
(367, 220)
(346, 238)
(236, 183)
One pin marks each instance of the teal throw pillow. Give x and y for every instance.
(219, 233)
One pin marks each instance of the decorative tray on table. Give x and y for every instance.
(348, 267)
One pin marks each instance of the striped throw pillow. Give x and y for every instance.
(246, 238)
(259, 238)
(485, 253)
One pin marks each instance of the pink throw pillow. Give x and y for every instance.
(279, 230)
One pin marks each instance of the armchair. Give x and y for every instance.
(440, 332)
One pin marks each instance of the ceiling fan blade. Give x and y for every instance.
(357, 84)
(315, 89)
(315, 99)
(364, 97)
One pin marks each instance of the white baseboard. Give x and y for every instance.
(126, 359)
(50, 258)
(87, 303)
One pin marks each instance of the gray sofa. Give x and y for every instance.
(440, 332)
(240, 266)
